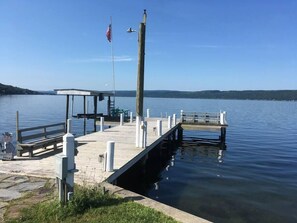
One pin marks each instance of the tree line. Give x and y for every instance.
(279, 95)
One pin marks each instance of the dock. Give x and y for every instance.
(89, 148)
(90, 167)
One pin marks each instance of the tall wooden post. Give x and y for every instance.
(140, 76)
(180, 134)
(223, 134)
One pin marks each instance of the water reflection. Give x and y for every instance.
(191, 150)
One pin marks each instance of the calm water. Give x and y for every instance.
(254, 180)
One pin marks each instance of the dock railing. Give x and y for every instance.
(203, 118)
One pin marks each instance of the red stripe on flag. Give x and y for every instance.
(108, 33)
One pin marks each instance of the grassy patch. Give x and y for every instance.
(91, 205)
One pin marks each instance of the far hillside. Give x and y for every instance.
(279, 95)
(8, 89)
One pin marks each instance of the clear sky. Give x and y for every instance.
(190, 44)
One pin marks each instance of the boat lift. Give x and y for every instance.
(97, 96)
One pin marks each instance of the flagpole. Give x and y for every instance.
(112, 57)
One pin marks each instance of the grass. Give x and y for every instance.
(91, 205)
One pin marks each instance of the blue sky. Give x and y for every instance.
(190, 44)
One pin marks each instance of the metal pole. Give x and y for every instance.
(17, 126)
(112, 55)
(95, 113)
(67, 109)
(85, 121)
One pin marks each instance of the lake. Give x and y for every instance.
(253, 180)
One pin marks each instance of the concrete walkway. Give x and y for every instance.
(14, 187)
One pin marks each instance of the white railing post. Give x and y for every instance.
(101, 124)
(169, 122)
(110, 155)
(159, 127)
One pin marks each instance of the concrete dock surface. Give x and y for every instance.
(87, 161)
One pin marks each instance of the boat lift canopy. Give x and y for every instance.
(97, 95)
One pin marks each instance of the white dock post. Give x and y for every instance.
(121, 119)
(101, 124)
(223, 118)
(169, 122)
(174, 120)
(69, 125)
(143, 134)
(68, 151)
(148, 113)
(159, 127)
(181, 115)
(131, 117)
(137, 130)
(109, 155)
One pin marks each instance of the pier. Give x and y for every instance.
(90, 146)
(91, 166)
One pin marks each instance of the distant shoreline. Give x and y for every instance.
(276, 95)
(271, 95)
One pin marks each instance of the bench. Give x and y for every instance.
(29, 139)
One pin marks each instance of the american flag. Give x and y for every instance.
(108, 33)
